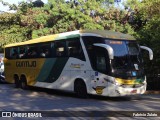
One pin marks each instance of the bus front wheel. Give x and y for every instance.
(23, 83)
(80, 89)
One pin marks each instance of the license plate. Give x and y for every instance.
(134, 91)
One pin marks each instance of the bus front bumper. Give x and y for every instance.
(122, 91)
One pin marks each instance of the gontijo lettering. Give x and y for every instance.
(26, 64)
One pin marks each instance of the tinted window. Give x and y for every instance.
(7, 53)
(22, 51)
(31, 52)
(75, 49)
(89, 41)
(45, 50)
(101, 59)
(60, 48)
(14, 53)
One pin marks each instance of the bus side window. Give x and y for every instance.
(45, 51)
(53, 53)
(75, 49)
(14, 53)
(88, 42)
(60, 49)
(22, 52)
(101, 60)
(7, 53)
(31, 52)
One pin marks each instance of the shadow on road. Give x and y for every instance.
(46, 99)
(71, 94)
(96, 97)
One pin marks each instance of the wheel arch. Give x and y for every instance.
(80, 79)
(15, 76)
(23, 77)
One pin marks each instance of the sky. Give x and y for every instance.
(4, 8)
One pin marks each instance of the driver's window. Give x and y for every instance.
(101, 63)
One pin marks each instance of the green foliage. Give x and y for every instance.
(147, 26)
(58, 16)
(41, 32)
(8, 19)
(140, 18)
(85, 15)
(14, 34)
(132, 4)
(41, 18)
(38, 3)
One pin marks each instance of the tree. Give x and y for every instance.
(149, 34)
(89, 14)
(146, 23)
(61, 16)
(38, 3)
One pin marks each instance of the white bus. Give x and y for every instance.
(95, 62)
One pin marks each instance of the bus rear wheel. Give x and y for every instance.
(23, 83)
(80, 89)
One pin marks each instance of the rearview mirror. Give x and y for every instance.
(108, 48)
(149, 50)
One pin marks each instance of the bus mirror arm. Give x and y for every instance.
(149, 50)
(109, 49)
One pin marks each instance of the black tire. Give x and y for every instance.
(16, 82)
(23, 83)
(80, 89)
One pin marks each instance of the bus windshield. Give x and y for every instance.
(127, 60)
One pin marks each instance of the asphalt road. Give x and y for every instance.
(37, 99)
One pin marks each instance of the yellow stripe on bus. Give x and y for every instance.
(127, 81)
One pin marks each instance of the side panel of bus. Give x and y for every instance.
(57, 72)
